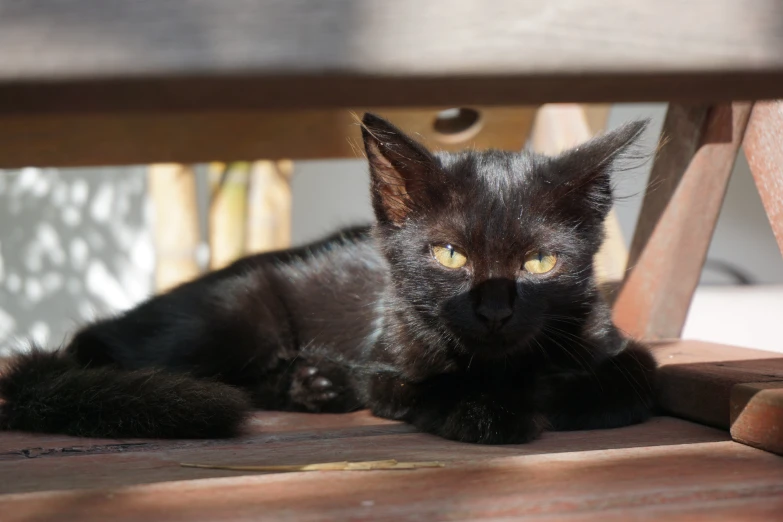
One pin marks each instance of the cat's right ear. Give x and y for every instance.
(402, 171)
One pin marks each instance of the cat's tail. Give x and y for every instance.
(51, 392)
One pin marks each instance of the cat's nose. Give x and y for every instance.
(495, 303)
(494, 316)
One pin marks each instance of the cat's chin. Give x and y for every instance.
(498, 346)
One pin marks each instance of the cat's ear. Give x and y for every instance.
(584, 172)
(403, 173)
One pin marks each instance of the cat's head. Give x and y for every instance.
(490, 249)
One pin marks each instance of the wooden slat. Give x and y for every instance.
(199, 135)
(78, 55)
(105, 465)
(757, 415)
(639, 482)
(656, 294)
(698, 380)
(763, 149)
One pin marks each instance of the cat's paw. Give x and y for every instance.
(310, 389)
(482, 421)
(321, 389)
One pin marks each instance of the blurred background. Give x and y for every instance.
(80, 243)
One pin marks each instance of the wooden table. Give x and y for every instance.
(88, 82)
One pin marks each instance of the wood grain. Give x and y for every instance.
(98, 55)
(681, 212)
(757, 415)
(634, 480)
(201, 135)
(158, 461)
(724, 386)
(765, 157)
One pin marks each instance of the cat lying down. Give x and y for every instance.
(468, 309)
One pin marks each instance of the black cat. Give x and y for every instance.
(470, 310)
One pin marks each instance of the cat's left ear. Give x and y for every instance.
(585, 171)
(404, 175)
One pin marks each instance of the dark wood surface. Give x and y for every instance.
(665, 466)
(678, 218)
(105, 55)
(664, 469)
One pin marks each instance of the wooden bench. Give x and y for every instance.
(89, 82)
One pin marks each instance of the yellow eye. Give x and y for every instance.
(540, 262)
(448, 257)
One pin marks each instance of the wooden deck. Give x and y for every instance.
(667, 467)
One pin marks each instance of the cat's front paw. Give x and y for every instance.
(482, 420)
(315, 390)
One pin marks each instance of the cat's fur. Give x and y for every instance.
(368, 318)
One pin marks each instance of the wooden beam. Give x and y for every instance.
(681, 137)
(106, 55)
(727, 387)
(117, 138)
(757, 415)
(764, 149)
(679, 217)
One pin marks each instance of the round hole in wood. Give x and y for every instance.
(457, 125)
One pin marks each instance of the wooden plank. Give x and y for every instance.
(691, 477)
(656, 294)
(696, 379)
(757, 415)
(264, 427)
(765, 156)
(158, 462)
(97, 55)
(200, 135)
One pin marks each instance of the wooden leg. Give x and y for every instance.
(227, 213)
(681, 207)
(269, 206)
(764, 149)
(172, 189)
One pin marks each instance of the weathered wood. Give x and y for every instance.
(105, 465)
(200, 135)
(639, 482)
(763, 149)
(681, 137)
(697, 379)
(757, 415)
(99, 55)
(678, 220)
(172, 190)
